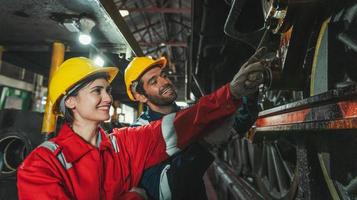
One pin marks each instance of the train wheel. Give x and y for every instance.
(338, 165)
(243, 155)
(337, 155)
(276, 177)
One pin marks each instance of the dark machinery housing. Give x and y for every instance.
(19, 135)
(302, 146)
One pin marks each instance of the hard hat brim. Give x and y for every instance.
(111, 71)
(161, 61)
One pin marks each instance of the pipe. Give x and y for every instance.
(249, 38)
(201, 38)
(49, 119)
(198, 85)
(352, 186)
(234, 12)
(348, 41)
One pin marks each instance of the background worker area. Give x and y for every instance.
(181, 176)
(83, 162)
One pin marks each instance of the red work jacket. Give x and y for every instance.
(67, 167)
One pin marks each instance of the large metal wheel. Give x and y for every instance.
(337, 153)
(338, 165)
(270, 166)
(240, 156)
(276, 177)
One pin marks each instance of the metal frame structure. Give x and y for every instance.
(161, 28)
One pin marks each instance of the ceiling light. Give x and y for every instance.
(99, 61)
(124, 13)
(84, 39)
(85, 25)
(170, 71)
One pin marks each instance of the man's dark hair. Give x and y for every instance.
(140, 87)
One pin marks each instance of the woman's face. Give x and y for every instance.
(92, 102)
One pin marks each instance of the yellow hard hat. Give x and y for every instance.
(137, 67)
(71, 72)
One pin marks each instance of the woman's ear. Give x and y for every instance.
(70, 102)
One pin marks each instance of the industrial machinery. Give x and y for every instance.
(302, 145)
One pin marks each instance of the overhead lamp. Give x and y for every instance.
(124, 13)
(85, 26)
(99, 61)
(84, 39)
(81, 25)
(170, 71)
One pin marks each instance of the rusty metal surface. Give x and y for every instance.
(345, 124)
(332, 95)
(336, 109)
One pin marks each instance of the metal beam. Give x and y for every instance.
(164, 43)
(145, 18)
(319, 112)
(146, 27)
(152, 50)
(136, 28)
(117, 19)
(158, 10)
(104, 47)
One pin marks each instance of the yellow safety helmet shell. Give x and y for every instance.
(136, 68)
(71, 72)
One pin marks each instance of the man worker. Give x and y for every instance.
(180, 177)
(82, 157)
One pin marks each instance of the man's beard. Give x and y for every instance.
(161, 100)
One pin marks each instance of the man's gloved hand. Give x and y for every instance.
(250, 75)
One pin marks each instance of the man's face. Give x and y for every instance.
(158, 88)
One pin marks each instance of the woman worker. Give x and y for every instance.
(83, 162)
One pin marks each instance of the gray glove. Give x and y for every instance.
(250, 75)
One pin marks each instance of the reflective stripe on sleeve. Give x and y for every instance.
(164, 189)
(169, 134)
(60, 157)
(113, 140)
(141, 122)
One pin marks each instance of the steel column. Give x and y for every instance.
(49, 119)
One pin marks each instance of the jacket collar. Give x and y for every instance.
(153, 115)
(74, 147)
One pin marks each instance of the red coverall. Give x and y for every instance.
(110, 171)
